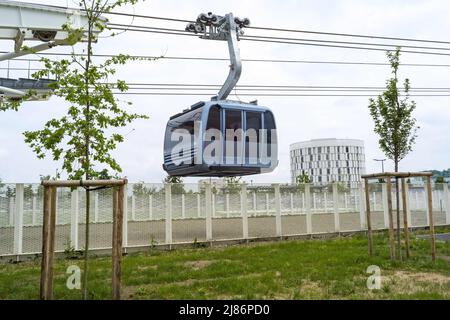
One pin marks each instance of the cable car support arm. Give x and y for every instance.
(228, 29)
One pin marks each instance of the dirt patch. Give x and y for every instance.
(429, 277)
(198, 265)
(310, 289)
(407, 282)
(144, 268)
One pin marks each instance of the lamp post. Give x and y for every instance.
(382, 163)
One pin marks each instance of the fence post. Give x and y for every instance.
(308, 208)
(368, 216)
(33, 212)
(183, 207)
(213, 205)
(96, 207)
(133, 208)
(125, 217)
(150, 207)
(385, 205)
(427, 196)
(430, 219)
(227, 204)
(374, 195)
(57, 217)
(408, 205)
(278, 210)
(325, 202)
(314, 201)
(346, 201)
(447, 203)
(292, 203)
(199, 206)
(244, 211)
(337, 223)
(362, 207)
(267, 204)
(74, 211)
(11, 211)
(168, 208)
(303, 202)
(416, 200)
(18, 219)
(208, 211)
(254, 204)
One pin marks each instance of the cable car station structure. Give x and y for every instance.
(22, 22)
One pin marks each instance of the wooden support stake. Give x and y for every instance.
(430, 215)
(391, 220)
(368, 216)
(48, 243)
(118, 211)
(405, 218)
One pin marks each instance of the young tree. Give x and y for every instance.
(439, 179)
(395, 124)
(302, 178)
(139, 189)
(233, 184)
(84, 138)
(177, 184)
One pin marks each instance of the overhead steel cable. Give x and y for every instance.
(285, 90)
(347, 42)
(277, 86)
(350, 35)
(266, 94)
(293, 42)
(293, 30)
(139, 28)
(147, 17)
(341, 46)
(293, 61)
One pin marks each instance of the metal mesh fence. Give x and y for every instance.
(154, 216)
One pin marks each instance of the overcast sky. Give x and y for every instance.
(298, 118)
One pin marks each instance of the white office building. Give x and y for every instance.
(329, 160)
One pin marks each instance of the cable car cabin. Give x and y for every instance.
(220, 139)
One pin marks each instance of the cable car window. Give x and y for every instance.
(253, 122)
(212, 149)
(269, 125)
(179, 140)
(233, 137)
(213, 118)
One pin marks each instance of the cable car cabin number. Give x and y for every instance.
(219, 139)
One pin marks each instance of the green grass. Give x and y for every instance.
(319, 269)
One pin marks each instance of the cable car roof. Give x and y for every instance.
(224, 104)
